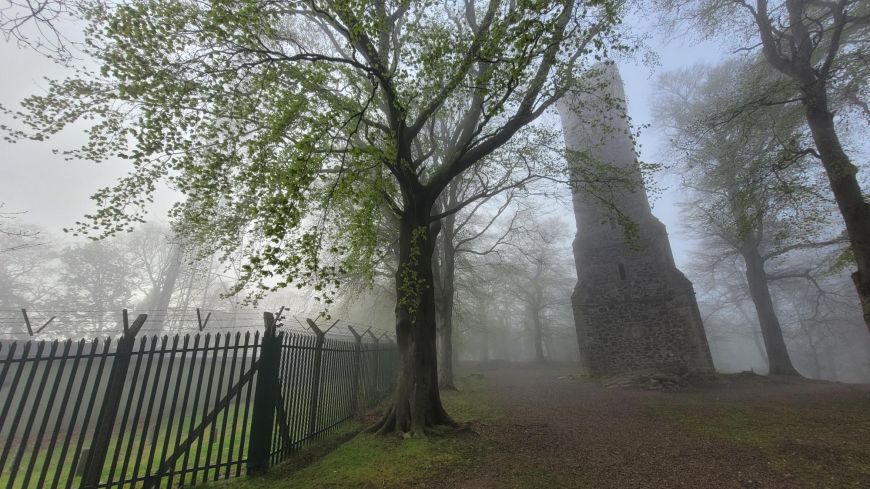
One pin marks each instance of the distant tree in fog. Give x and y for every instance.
(26, 270)
(479, 229)
(16, 236)
(821, 49)
(159, 263)
(518, 299)
(814, 303)
(754, 190)
(729, 315)
(97, 280)
(174, 279)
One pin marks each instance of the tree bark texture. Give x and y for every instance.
(842, 176)
(417, 402)
(800, 65)
(445, 330)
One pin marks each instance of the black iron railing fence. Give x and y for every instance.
(176, 411)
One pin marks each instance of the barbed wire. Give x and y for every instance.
(45, 323)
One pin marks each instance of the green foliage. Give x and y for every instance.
(745, 157)
(411, 284)
(293, 129)
(834, 51)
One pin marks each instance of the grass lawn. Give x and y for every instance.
(366, 460)
(209, 447)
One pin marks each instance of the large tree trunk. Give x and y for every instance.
(445, 330)
(813, 82)
(417, 402)
(771, 331)
(844, 185)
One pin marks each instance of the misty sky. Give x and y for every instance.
(54, 193)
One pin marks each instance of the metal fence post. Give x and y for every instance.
(27, 322)
(315, 377)
(357, 361)
(265, 396)
(377, 376)
(389, 361)
(111, 402)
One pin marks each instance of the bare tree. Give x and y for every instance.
(534, 274)
(488, 223)
(20, 237)
(26, 270)
(97, 280)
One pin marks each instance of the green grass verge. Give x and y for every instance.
(131, 445)
(384, 462)
(823, 444)
(387, 462)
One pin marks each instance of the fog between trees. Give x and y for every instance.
(413, 174)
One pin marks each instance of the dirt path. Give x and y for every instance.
(558, 431)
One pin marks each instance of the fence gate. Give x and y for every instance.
(209, 425)
(168, 412)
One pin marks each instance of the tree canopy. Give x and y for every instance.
(821, 47)
(755, 192)
(291, 127)
(286, 124)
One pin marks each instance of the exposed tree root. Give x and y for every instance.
(394, 424)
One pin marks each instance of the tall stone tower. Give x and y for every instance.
(633, 309)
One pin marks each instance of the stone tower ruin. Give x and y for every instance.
(633, 309)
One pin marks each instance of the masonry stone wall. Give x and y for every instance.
(633, 309)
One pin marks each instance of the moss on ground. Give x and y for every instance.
(472, 402)
(822, 444)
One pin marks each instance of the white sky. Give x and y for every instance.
(55, 193)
